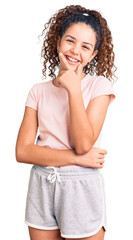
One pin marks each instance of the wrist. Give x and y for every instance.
(76, 159)
(74, 90)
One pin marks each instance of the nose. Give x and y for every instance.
(75, 50)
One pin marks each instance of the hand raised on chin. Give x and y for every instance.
(69, 78)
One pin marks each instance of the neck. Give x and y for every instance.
(55, 84)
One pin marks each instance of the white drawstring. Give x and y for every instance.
(53, 175)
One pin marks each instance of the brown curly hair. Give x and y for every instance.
(102, 64)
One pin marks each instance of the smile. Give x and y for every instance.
(71, 60)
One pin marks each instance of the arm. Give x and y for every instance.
(80, 127)
(28, 152)
(86, 124)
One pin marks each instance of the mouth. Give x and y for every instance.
(71, 60)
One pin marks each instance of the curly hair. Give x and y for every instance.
(102, 64)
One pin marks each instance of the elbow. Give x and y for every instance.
(19, 154)
(83, 149)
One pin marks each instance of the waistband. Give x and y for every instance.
(56, 173)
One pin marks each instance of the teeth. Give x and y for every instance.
(71, 59)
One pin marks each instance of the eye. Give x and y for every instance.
(85, 47)
(69, 40)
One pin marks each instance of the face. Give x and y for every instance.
(77, 44)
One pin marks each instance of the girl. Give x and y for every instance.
(66, 189)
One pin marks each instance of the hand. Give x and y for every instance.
(94, 158)
(68, 77)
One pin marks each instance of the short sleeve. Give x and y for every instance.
(102, 86)
(32, 98)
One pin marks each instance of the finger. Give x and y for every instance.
(101, 161)
(62, 57)
(99, 166)
(103, 151)
(101, 156)
(79, 69)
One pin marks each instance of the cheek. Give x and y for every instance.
(64, 47)
(88, 57)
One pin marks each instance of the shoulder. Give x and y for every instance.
(40, 85)
(37, 91)
(100, 85)
(98, 80)
(39, 88)
(101, 80)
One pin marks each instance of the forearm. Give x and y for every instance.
(80, 127)
(43, 156)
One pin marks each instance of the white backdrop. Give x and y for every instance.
(20, 24)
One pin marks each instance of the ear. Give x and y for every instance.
(93, 55)
(58, 42)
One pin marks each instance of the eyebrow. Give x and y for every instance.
(83, 42)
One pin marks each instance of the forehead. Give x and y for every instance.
(81, 31)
